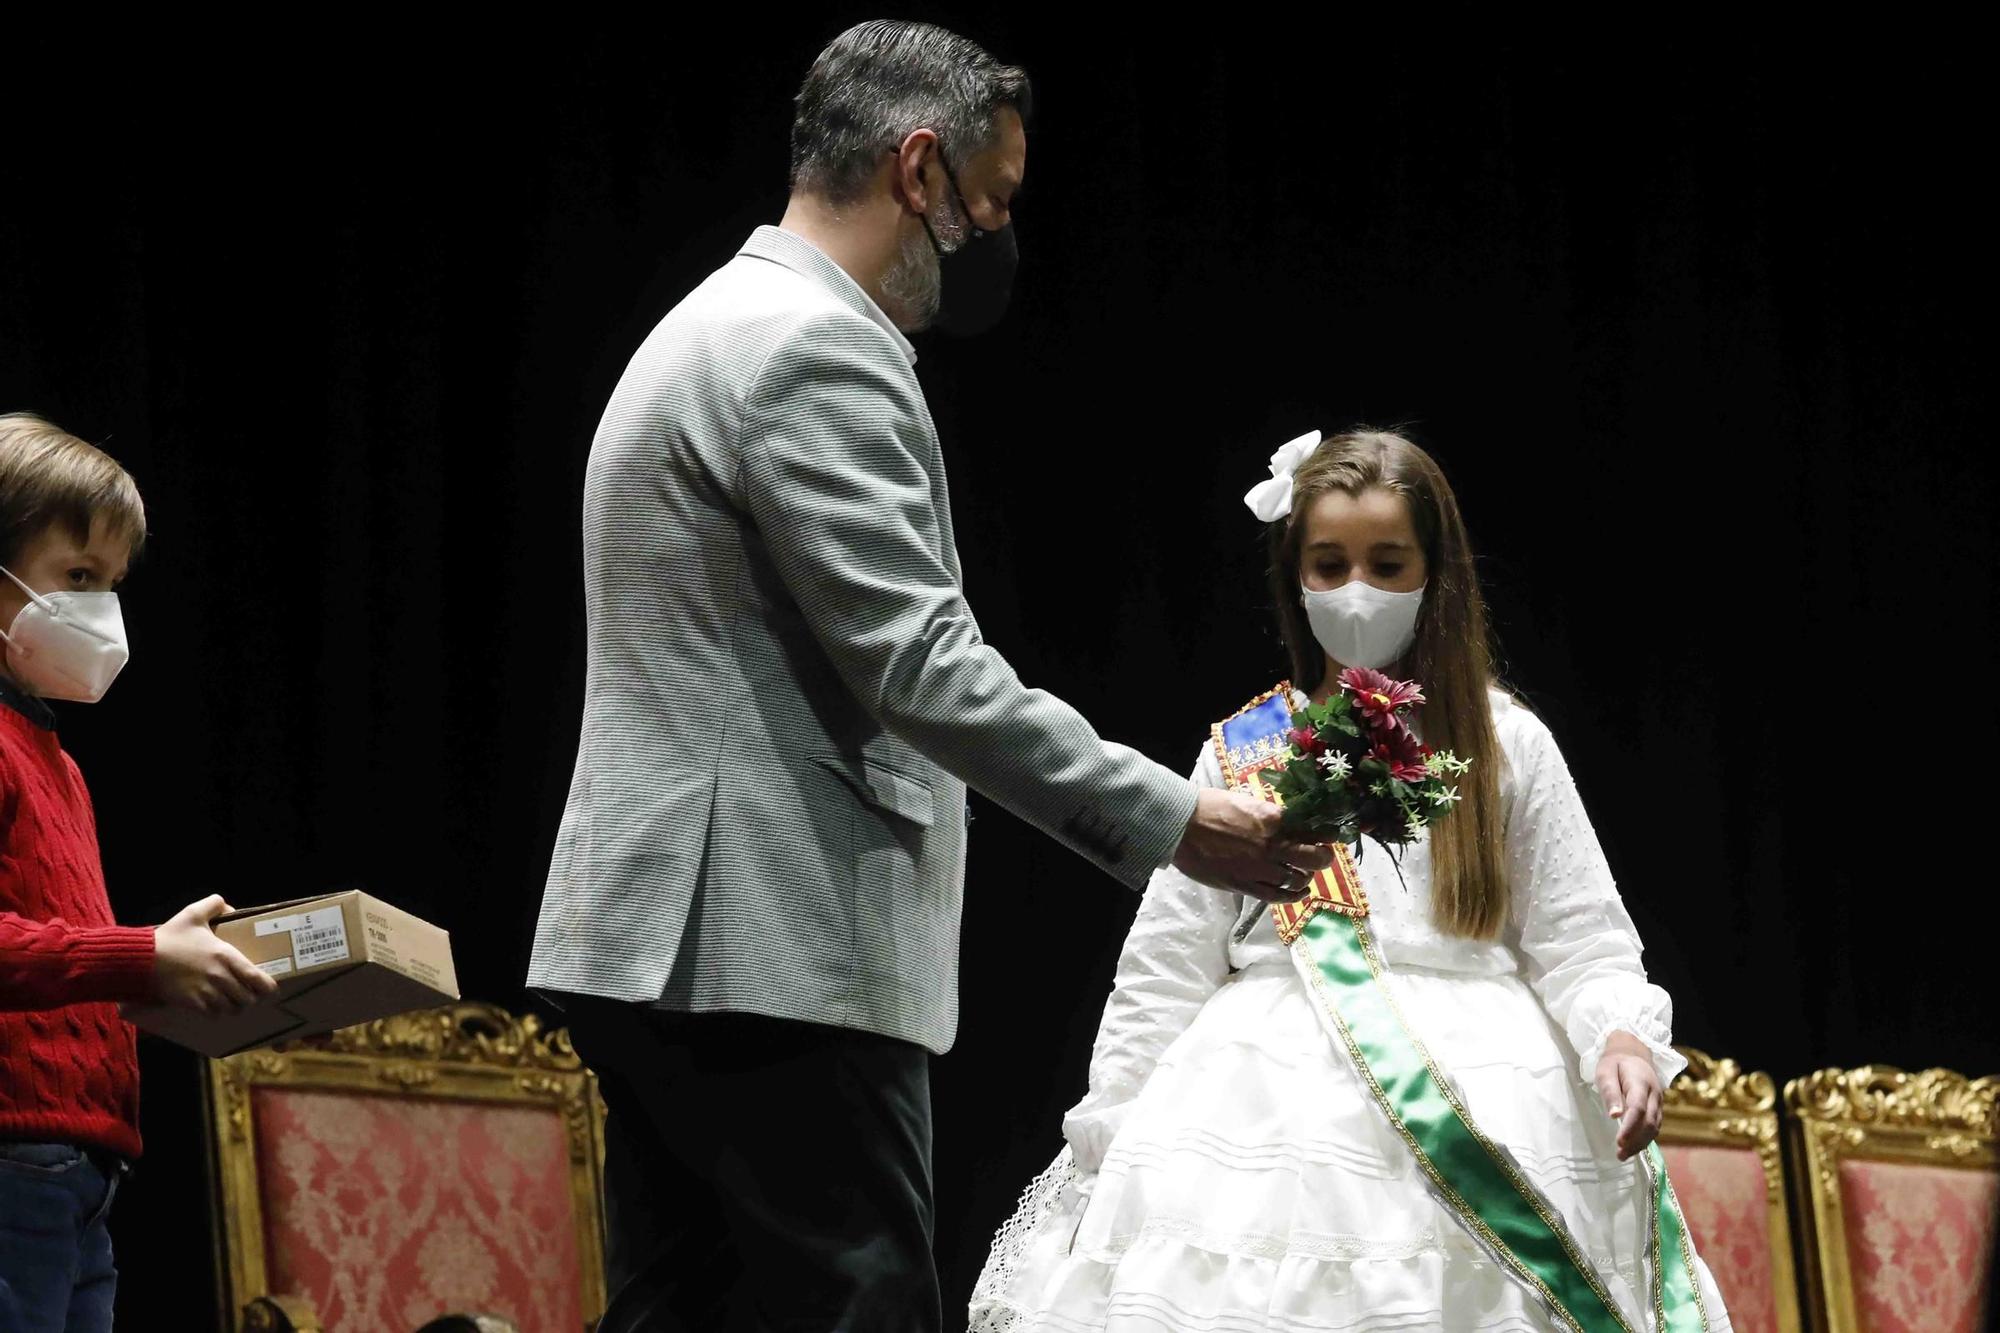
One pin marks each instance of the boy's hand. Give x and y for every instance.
(192, 969)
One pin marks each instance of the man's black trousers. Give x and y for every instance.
(760, 1173)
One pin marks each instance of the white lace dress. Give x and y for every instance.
(1227, 1172)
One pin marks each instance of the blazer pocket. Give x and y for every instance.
(885, 789)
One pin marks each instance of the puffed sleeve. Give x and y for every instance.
(1175, 957)
(1582, 949)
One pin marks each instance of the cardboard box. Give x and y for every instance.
(339, 959)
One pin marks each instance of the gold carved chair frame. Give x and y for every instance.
(1876, 1113)
(466, 1052)
(1715, 1103)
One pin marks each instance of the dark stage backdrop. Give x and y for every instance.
(1691, 325)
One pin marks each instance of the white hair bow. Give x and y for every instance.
(1272, 500)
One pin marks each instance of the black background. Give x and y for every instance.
(1694, 324)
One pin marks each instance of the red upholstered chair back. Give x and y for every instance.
(1724, 1194)
(1919, 1242)
(388, 1211)
(440, 1162)
(1721, 1142)
(1900, 1181)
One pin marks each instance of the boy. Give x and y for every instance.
(70, 522)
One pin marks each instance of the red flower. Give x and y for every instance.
(1400, 752)
(1306, 741)
(1379, 698)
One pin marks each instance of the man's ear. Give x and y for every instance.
(907, 179)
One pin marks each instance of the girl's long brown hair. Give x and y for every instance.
(1452, 657)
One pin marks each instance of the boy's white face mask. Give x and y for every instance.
(1360, 625)
(67, 645)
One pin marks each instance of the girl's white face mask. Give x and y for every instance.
(1360, 625)
(66, 645)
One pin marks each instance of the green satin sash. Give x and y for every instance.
(1474, 1176)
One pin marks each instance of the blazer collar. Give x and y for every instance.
(803, 257)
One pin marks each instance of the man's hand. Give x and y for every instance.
(192, 969)
(1630, 1087)
(1234, 843)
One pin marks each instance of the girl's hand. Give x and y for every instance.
(1630, 1087)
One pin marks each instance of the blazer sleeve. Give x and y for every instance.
(834, 446)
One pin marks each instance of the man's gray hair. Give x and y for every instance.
(877, 82)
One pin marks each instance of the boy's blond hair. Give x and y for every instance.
(48, 476)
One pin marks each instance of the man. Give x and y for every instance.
(752, 915)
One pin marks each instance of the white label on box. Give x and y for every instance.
(322, 938)
(298, 921)
(277, 967)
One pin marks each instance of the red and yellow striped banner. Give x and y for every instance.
(1334, 889)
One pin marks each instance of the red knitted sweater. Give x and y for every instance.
(69, 1065)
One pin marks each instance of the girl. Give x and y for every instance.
(1239, 1163)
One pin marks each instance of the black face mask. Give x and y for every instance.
(976, 279)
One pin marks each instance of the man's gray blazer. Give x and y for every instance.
(786, 689)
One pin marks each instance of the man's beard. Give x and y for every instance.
(913, 284)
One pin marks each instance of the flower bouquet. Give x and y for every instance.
(1354, 768)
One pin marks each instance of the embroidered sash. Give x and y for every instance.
(1476, 1178)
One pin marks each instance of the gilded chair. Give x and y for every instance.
(1720, 1137)
(448, 1161)
(1898, 1178)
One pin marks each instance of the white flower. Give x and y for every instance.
(1444, 796)
(1335, 763)
(1417, 824)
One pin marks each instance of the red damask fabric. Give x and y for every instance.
(1724, 1194)
(386, 1212)
(1920, 1238)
